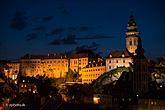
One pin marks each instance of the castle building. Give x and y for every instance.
(13, 70)
(55, 66)
(93, 70)
(118, 59)
(124, 58)
(78, 61)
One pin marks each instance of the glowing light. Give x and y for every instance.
(96, 100)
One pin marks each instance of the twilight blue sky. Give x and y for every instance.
(56, 26)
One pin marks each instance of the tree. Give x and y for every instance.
(161, 61)
(72, 76)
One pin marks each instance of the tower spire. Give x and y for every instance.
(131, 35)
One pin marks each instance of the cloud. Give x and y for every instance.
(56, 31)
(47, 18)
(79, 29)
(19, 21)
(72, 39)
(69, 40)
(92, 46)
(94, 37)
(55, 42)
(31, 36)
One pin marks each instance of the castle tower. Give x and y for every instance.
(132, 35)
(140, 74)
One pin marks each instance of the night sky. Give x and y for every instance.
(58, 26)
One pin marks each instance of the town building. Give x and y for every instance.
(54, 66)
(13, 70)
(93, 70)
(124, 58)
(118, 59)
(78, 61)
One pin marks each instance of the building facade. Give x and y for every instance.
(92, 71)
(118, 59)
(78, 61)
(13, 70)
(55, 66)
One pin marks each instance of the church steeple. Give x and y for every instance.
(132, 35)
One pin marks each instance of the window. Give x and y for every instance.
(130, 42)
(116, 61)
(123, 61)
(110, 61)
(109, 67)
(135, 42)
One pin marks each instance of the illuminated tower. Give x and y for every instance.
(132, 35)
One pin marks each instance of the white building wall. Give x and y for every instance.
(112, 63)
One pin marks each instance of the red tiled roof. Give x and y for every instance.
(118, 54)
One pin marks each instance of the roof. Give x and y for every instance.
(54, 56)
(95, 64)
(49, 56)
(119, 54)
